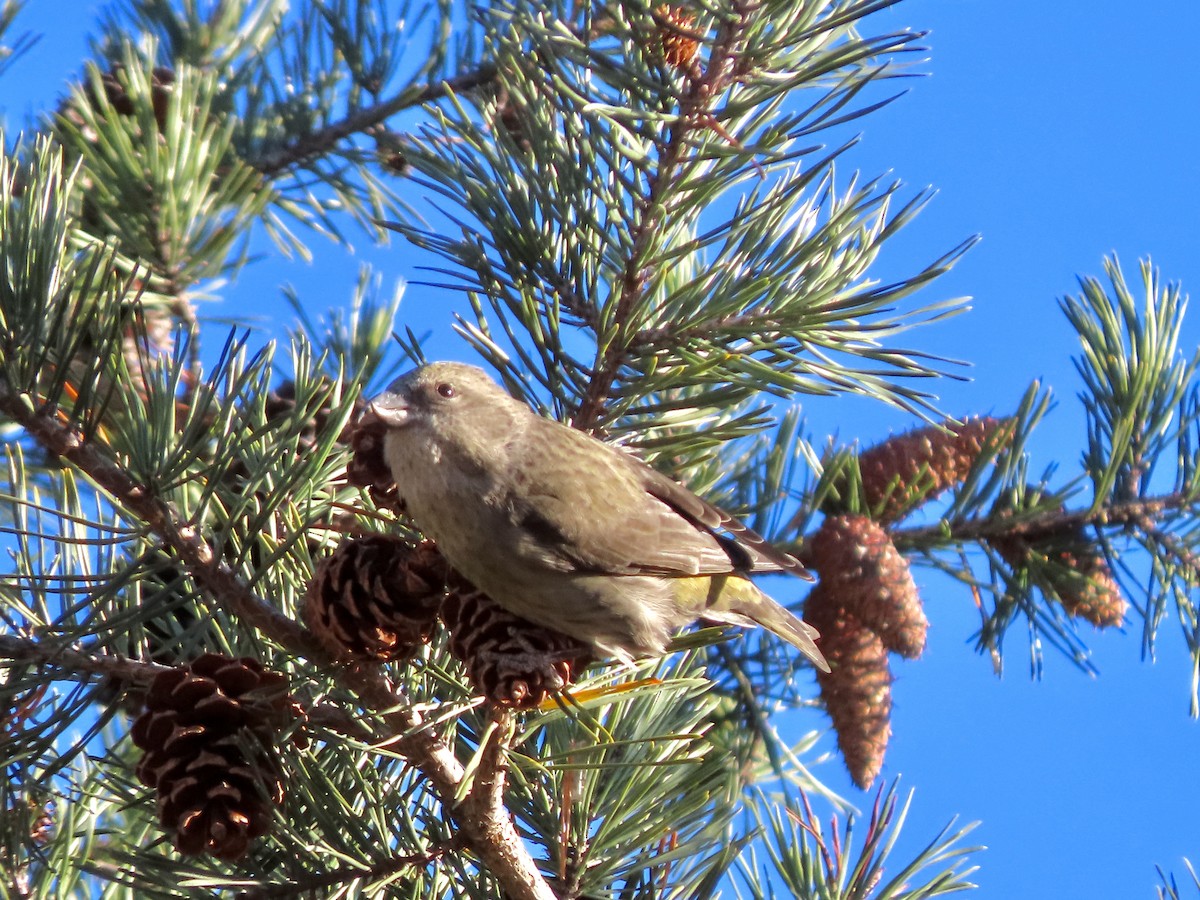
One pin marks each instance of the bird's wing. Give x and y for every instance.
(594, 508)
(756, 552)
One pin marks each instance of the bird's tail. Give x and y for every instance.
(740, 602)
(773, 617)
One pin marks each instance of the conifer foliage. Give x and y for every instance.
(228, 662)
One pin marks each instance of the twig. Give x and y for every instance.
(1054, 521)
(77, 662)
(1172, 546)
(69, 663)
(361, 120)
(306, 887)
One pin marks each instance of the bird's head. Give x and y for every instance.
(454, 402)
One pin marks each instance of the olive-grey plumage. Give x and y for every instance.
(565, 530)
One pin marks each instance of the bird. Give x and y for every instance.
(565, 530)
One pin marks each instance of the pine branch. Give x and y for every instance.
(814, 862)
(695, 104)
(394, 865)
(191, 548)
(1169, 889)
(72, 664)
(324, 140)
(1125, 513)
(1174, 548)
(486, 828)
(78, 662)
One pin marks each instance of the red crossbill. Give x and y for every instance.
(565, 530)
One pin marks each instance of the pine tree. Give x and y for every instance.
(230, 664)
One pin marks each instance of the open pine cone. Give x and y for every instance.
(115, 84)
(510, 661)
(367, 467)
(674, 26)
(281, 401)
(206, 732)
(377, 597)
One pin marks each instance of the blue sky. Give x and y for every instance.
(1060, 131)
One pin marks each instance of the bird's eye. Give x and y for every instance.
(446, 389)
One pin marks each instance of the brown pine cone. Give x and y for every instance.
(200, 721)
(510, 661)
(908, 469)
(857, 692)
(42, 828)
(508, 114)
(367, 467)
(1090, 591)
(162, 83)
(377, 597)
(674, 25)
(27, 820)
(864, 574)
(148, 335)
(282, 400)
(115, 84)
(1077, 573)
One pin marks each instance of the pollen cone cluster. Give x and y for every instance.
(908, 469)
(866, 575)
(866, 605)
(1088, 589)
(510, 661)
(206, 734)
(377, 597)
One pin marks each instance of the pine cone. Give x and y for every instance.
(26, 819)
(1078, 574)
(162, 83)
(367, 467)
(1090, 591)
(510, 661)
(41, 830)
(116, 91)
(679, 48)
(864, 574)
(858, 690)
(149, 334)
(282, 401)
(509, 115)
(377, 597)
(391, 151)
(908, 469)
(198, 724)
